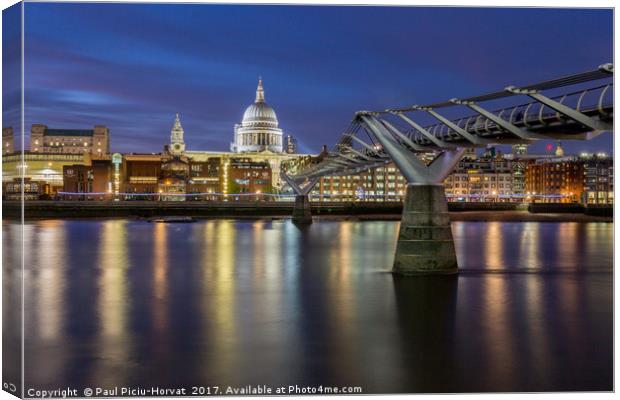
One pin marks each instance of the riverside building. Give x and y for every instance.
(598, 186)
(51, 150)
(485, 179)
(250, 179)
(45, 170)
(8, 141)
(94, 141)
(94, 178)
(554, 180)
(380, 184)
(488, 178)
(163, 177)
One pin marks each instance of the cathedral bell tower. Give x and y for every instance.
(177, 145)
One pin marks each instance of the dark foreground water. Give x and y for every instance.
(129, 303)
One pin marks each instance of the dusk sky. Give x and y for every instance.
(133, 66)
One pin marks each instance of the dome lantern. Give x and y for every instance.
(260, 92)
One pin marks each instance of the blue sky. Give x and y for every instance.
(132, 66)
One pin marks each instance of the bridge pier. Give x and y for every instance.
(425, 245)
(302, 213)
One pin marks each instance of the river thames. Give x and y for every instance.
(113, 303)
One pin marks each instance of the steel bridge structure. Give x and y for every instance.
(574, 107)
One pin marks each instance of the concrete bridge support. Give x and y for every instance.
(425, 245)
(302, 213)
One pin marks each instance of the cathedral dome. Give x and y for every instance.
(260, 113)
(258, 131)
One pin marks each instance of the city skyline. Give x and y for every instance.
(133, 77)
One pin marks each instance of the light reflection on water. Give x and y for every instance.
(226, 302)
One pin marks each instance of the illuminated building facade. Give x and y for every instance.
(557, 180)
(32, 190)
(598, 184)
(488, 178)
(70, 141)
(249, 178)
(168, 178)
(8, 141)
(46, 169)
(275, 161)
(485, 179)
(174, 178)
(205, 177)
(139, 174)
(95, 178)
(378, 184)
(78, 179)
(519, 164)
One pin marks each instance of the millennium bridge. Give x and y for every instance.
(575, 107)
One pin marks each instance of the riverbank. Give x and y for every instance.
(517, 212)
(148, 209)
(505, 216)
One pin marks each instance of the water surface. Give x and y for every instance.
(225, 302)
